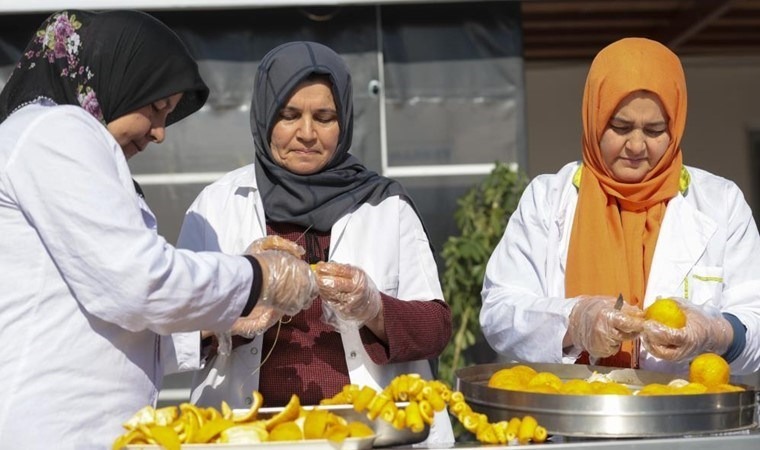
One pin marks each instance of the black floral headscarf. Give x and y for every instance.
(320, 199)
(109, 63)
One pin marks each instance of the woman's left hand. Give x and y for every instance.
(348, 291)
(706, 330)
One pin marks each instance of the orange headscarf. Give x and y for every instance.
(616, 224)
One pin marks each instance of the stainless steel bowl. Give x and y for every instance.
(610, 416)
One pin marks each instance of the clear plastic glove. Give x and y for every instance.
(706, 330)
(598, 328)
(288, 286)
(261, 318)
(349, 297)
(256, 323)
(274, 243)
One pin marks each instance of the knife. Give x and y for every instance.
(619, 302)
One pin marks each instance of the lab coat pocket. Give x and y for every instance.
(388, 285)
(705, 284)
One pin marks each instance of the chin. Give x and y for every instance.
(629, 177)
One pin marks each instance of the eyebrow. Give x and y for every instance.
(626, 121)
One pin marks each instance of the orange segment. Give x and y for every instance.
(359, 430)
(315, 423)
(286, 431)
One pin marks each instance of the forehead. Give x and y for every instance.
(315, 88)
(640, 102)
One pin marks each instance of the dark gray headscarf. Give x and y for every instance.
(319, 199)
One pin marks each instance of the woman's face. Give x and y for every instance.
(135, 130)
(306, 133)
(636, 137)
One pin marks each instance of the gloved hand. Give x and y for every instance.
(348, 293)
(274, 242)
(261, 318)
(256, 323)
(706, 330)
(288, 286)
(597, 327)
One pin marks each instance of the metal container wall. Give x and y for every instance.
(610, 416)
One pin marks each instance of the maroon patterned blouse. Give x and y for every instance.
(308, 359)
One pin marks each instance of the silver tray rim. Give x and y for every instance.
(606, 416)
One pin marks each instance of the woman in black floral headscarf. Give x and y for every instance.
(88, 286)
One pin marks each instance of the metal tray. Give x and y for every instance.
(610, 416)
(311, 444)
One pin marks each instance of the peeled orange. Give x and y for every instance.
(709, 369)
(667, 312)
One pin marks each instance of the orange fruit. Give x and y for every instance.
(546, 379)
(725, 388)
(576, 387)
(656, 389)
(610, 388)
(667, 312)
(513, 378)
(526, 372)
(709, 369)
(691, 388)
(541, 389)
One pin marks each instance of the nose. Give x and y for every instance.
(306, 130)
(157, 134)
(636, 141)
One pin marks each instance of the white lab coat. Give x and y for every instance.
(708, 251)
(87, 284)
(387, 241)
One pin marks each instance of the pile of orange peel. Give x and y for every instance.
(426, 397)
(408, 402)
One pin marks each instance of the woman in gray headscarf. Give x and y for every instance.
(379, 286)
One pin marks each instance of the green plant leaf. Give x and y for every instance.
(481, 217)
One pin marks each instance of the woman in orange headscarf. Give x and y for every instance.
(630, 221)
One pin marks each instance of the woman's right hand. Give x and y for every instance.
(257, 322)
(288, 284)
(274, 242)
(598, 328)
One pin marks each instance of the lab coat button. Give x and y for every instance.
(353, 355)
(254, 350)
(248, 401)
